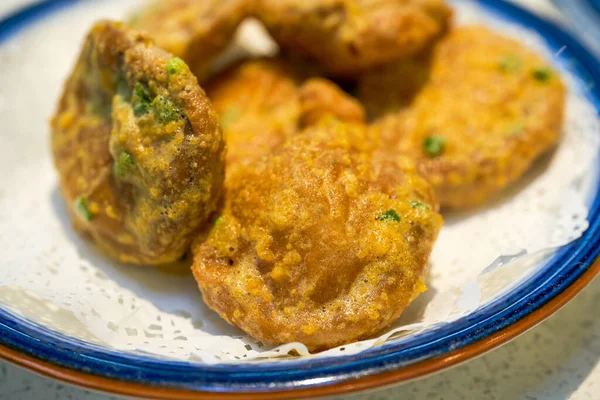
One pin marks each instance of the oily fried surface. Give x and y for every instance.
(137, 146)
(264, 101)
(257, 102)
(390, 88)
(195, 30)
(349, 36)
(320, 97)
(488, 110)
(325, 242)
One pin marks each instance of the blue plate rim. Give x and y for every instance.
(566, 266)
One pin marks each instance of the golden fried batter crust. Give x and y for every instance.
(320, 97)
(390, 88)
(264, 101)
(349, 36)
(325, 242)
(257, 102)
(137, 146)
(495, 105)
(195, 30)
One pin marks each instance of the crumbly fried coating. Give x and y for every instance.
(489, 109)
(390, 88)
(264, 101)
(325, 242)
(320, 97)
(195, 30)
(349, 36)
(137, 146)
(257, 102)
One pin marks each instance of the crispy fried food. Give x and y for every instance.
(391, 88)
(320, 97)
(258, 104)
(325, 242)
(489, 109)
(137, 146)
(262, 102)
(195, 30)
(349, 36)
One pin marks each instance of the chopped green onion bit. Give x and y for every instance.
(141, 99)
(434, 145)
(389, 215)
(81, 205)
(418, 204)
(123, 164)
(175, 65)
(542, 74)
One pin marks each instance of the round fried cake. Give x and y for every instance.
(137, 146)
(195, 30)
(349, 36)
(320, 98)
(489, 108)
(257, 102)
(391, 88)
(262, 102)
(325, 242)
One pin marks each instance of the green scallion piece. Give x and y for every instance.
(434, 145)
(83, 209)
(175, 65)
(389, 215)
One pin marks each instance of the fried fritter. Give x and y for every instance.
(489, 109)
(258, 105)
(349, 36)
(320, 97)
(137, 146)
(325, 242)
(195, 30)
(391, 88)
(262, 102)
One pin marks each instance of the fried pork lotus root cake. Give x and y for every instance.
(320, 98)
(195, 30)
(257, 102)
(349, 36)
(325, 242)
(137, 146)
(489, 109)
(264, 101)
(391, 88)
